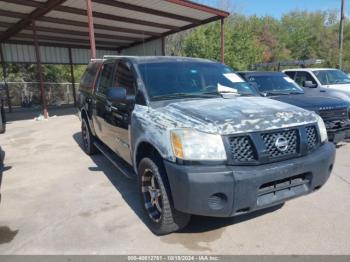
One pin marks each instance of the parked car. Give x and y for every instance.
(322, 81)
(278, 86)
(198, 140)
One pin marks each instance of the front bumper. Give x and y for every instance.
(224, 191)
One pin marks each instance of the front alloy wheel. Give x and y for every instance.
(152, 195)
(161, 217)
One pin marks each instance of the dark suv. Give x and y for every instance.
(197, 138)
(278, 86)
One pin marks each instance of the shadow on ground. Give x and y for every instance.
(7, 235)
(128, 189)
(18, 114)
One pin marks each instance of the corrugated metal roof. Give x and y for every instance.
(50, 55)
(119, 24)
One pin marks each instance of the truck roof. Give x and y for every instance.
(309, 69)
(157, 59)
(257, 73)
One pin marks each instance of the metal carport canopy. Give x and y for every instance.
(63, 31)
(116, 25)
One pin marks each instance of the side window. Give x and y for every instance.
(291, 74)
(106, 78)
(125, 78)
(301, 77)
(89, 75)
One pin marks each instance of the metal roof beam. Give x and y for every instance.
(43, 43)
(83, 33)
(146, 10)
(78, 11)
(97, 26)
(25, 2)
(70, 40)
(49, 5)
(12, 14)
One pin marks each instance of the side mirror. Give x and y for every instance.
(309, 84)
(117, 95)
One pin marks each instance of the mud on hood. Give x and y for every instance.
(231, 116)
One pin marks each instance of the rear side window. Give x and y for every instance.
(106, 78)
(291, 74)
(88, 77)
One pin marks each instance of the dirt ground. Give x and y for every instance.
(58, 200)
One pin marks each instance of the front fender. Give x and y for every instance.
(144, 130)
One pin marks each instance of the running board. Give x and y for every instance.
(119, 163)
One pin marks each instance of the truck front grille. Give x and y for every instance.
(312, 137)
(331, 114)
(337, 124)
(270, 143)
(263, 148)
(242, 149)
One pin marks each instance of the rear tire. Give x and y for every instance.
(161, 217)
(88, 138)
(3, 120)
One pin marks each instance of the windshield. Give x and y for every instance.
(332, 77)
(274, 84)
(171, 80)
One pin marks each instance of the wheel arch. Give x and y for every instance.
(84, 115)
(145, 149)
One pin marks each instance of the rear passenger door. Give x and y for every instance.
(104, 82)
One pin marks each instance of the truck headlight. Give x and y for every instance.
(189, 144)
(323, 130)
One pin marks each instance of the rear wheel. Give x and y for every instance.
(3, 121)
(161, 216)
(88, 138)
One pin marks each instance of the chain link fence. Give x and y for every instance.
(27, 94)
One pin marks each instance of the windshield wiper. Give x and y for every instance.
(222, 92)
(280, 92)
(296, 93)
(181, 95)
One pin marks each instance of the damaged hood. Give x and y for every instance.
(231, 116)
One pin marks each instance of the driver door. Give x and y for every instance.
(117, 117)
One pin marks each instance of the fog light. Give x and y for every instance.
(217, 201)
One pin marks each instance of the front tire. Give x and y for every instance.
(88, 138)
(161, 217)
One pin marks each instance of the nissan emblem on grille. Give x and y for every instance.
(281, 143)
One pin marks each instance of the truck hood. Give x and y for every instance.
(342, 87)
(313, 103)
(231, 116)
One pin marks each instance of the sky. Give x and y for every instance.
(277, 8)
